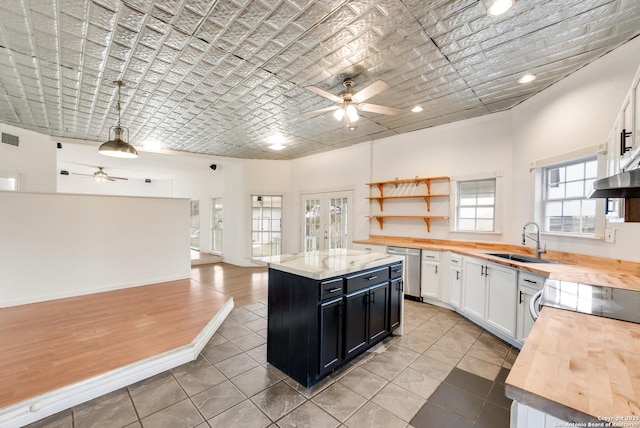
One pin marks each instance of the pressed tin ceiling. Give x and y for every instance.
(227, 77)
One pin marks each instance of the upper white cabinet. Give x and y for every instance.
(489, 294)
(629, 135)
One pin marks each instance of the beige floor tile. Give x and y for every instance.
(431, 367)
(363, 382)
(373, 416)
(339, 401)
(479, 367)
(399, 401)
(416, 382)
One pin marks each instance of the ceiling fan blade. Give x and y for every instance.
(320, 110)
(375, 108)
(373, 89)
(118, 178)
(84, 175)
(110, 179)
(324, 93)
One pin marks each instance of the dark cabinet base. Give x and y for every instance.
(314, 328)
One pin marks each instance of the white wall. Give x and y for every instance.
(56, 245)
(576, 113)
(33, 160)
(338, 170)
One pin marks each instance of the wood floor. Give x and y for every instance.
(45, 346)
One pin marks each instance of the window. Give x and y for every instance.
(266, 225)
(476, 205)
(566, 208)
(9, 182)
(216, 225)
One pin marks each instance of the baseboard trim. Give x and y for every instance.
(44, 405)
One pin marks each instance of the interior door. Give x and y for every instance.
(326, 221)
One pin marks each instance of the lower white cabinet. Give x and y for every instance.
(430, 275)
(501, 301)
(474, 288)
(489, 295)
(455, 280)
(528, 285)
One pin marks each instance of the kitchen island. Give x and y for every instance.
(327, 307)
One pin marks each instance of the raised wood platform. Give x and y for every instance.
(59, 353)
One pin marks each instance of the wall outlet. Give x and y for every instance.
(610, 235)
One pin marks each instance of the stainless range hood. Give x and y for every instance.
(623, 185)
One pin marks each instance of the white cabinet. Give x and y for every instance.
(474, 288)
(430, 275)
(455, 280)
(489, 295)
(629, 138)
(501, 299)
(528, 285)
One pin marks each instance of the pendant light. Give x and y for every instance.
(118, 147)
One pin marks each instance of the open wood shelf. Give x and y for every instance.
(427, 219)
(427, 198)
(426, 180)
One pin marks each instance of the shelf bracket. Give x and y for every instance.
(427, 199)
(380, 221)
(380, 187)
(428, 222)
(381, 202)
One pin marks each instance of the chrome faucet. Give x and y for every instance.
(539, 251)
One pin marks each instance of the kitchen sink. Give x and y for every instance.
(520, 258)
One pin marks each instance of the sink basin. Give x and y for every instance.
(520, 258)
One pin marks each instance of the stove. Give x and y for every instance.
(608, 302)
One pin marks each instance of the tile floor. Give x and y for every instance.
(444, 372)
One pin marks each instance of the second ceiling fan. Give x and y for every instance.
(351, 102)
(101, 175)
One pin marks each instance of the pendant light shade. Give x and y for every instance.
(118, 147)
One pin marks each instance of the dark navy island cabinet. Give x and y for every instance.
(316, 326)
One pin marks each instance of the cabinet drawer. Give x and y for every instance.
(331, 288)
(396, 270)
(526, 279)
(430, 256)
(366, 279)
(456, 260)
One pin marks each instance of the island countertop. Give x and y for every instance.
(328, 263)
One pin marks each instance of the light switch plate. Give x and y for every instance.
(610, 235)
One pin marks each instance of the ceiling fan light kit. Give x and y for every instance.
(351, 102)
(118, 147)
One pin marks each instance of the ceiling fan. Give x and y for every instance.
(101, 176)
(351, 102)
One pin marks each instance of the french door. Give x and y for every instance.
(326, 221)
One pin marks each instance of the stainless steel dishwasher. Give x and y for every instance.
(412, 271)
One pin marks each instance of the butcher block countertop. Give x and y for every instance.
(574, 366)
(579, 368)
(573, 267)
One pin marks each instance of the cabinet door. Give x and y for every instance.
(355, 321)
(455, 286)
(502, 286)
(474, 289)
(395, 300)
(378, 305)
(330, 335)
(430, 280)
(525, 322)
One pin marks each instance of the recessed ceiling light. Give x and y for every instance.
(526, 78)
(277, 146)
(417, 109)
(498, 7)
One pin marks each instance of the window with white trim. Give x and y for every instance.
(566, 207)
(476, 205)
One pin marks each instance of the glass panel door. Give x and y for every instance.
(338, 222)
(325, 221)
(266, 225)
(216, 225)
(312, 227)
(195, 225)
